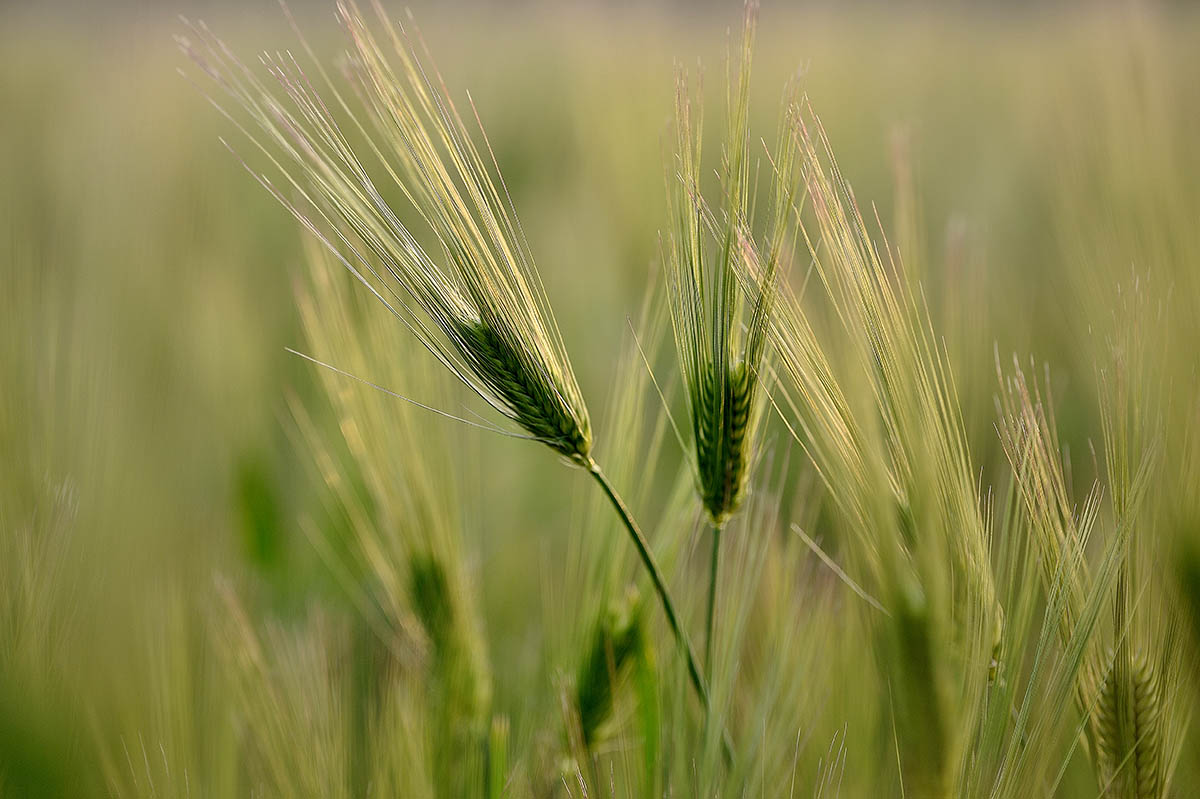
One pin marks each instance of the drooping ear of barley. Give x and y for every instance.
(477, 303)
(534, 399)
(497, 334)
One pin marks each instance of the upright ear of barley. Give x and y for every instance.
(405, 534)
(722, 438)
(459, 694)
(1131, 689)
(1128, 723)
(720, 373)
(1128, 727)
(1139, 727)
(721, 367)
(467, 693)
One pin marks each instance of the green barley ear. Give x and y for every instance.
(722, 435)
(403, 501)
(452, 646)
(535, 397)
(1128, 728)
(616, 641)
(720, 364)
(460, 690)
(430, 593)
(1131, 691)
(877, 411)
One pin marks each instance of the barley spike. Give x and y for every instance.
(722, 422)
(534, 397)
(1128, 730)
(615, 641)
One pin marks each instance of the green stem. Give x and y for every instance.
(664, 594)
(710, 616)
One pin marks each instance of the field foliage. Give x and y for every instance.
(915, 341)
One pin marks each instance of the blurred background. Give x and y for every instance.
(148, 283)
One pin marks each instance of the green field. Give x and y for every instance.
(225, 571)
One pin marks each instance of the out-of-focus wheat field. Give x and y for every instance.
(1030, 163)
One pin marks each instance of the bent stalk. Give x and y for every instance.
(664, 595)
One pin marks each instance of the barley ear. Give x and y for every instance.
(718, 364)
(616, 640)
(1127, 726)
(533, 393)
(457, 673)
(723, 422)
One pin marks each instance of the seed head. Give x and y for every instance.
(616, 640)
(459, 669)
(720, 364)
(534, 397)
(475, 300)
(722, 424)
(1128, 730)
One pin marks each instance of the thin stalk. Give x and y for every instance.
(710, 622)
(664, 595)
(710, 616)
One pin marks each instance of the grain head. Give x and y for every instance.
(719, 330)
(475, 301)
